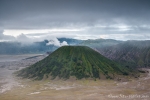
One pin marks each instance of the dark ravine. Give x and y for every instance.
(78, 61)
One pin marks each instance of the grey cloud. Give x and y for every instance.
(21, 38)
(5, 37)
(138, 36)
(47, 14)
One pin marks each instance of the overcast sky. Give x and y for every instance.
(80, 19)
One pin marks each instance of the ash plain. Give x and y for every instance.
(16, 88)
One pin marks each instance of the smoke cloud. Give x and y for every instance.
(56, 42)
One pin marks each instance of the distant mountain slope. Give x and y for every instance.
(134, 53)
(70, 41)
(100, 43)
(42, 47)
(19, 48)
(36, 47)
(78, 61)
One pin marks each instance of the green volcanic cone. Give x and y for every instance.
(78, 61)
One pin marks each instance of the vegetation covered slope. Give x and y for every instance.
(78, 61)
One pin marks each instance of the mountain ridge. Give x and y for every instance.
(131, 53)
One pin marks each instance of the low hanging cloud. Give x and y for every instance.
(29, 40)
(26, 40)
(5, 37)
